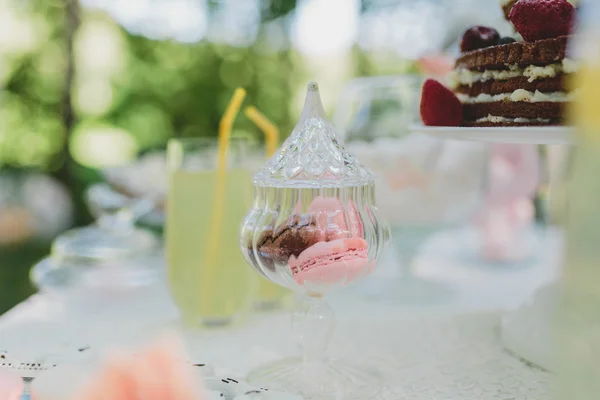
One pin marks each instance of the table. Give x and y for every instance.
(445, 351)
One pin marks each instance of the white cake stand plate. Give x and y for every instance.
(515, 135)
(525, 332)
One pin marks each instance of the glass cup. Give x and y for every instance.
(207, 274)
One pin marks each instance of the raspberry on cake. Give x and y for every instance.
(507, 5)
(519, 83)
(440, 106)
(542, 19)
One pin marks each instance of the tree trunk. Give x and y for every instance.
(65, 170)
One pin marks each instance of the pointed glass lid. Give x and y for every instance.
(312, 156)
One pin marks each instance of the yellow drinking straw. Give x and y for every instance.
(225, 126)
(269, 129)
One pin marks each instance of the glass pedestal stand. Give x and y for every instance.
(314, 226)
(314, 376)
(525, 332)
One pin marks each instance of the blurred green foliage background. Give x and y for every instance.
(80, 92)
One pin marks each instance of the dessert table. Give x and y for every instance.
(447, 350)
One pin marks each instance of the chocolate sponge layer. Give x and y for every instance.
(556, 84)
(541, 52)
(508, 124)
(510, 109)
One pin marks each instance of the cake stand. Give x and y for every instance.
(507, 135)
(524, 332)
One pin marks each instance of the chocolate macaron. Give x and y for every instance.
(289, 239)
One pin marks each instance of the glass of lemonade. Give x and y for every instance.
(207, 274)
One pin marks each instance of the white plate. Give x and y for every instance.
(520, 134)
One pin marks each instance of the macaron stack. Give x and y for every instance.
(324, 245)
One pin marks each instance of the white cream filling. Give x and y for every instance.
(518, 95)
(498, 120)
(463, 76)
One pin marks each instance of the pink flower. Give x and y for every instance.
(11, 386)
(156, 373)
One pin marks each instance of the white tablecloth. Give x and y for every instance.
(446, 351)
(423, 355)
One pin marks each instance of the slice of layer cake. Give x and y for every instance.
(503, 82)
(514, 84)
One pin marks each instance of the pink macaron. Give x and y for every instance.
(338, 261)
(329, 216)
